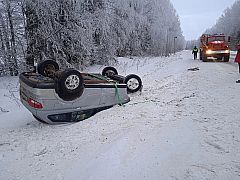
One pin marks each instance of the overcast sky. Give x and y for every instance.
(198, 15)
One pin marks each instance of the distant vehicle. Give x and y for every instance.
(54, 96)
(215, 46)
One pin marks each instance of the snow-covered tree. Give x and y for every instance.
(11, 36)
(229, 23)
(83, 32)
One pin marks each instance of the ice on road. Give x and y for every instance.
(183, 125)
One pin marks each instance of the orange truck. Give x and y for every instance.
(215, 46)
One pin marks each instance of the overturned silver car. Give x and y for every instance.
(61, 96)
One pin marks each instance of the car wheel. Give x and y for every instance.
(38, 119)
(226, 58)
(69, 85)
(134, 83)
(109, 71)
(48, 68)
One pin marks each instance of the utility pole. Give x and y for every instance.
(167, 52)
(174, 44)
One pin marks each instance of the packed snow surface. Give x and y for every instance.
(183, 125)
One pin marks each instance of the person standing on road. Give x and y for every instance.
(237, 60)
(194, 52)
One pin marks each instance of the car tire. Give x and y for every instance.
(134, 83)
(48, 68)
(69, 84)
(109, 71)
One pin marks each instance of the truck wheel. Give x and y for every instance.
(200, 55)
(69, 85)
(134, 83)
(109, 71)
(48, 68)
(226, 58)
(204, 58)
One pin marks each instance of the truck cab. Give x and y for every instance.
(215, 46)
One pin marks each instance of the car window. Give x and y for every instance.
(72, 116)
(76, 115)
(216, 38)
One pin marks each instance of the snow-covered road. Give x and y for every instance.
(184, 125)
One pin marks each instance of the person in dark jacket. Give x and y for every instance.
(194, 52)
(237, 60)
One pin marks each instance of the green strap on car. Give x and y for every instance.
(118, 96)
(115, 84)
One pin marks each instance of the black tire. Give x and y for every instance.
(226, 58)
(48, 68)
(69, 85)
(38, 119)
(204, 58)
(109, 71)
(134, 83)
(200, 55)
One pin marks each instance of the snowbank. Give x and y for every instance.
(183, 125)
